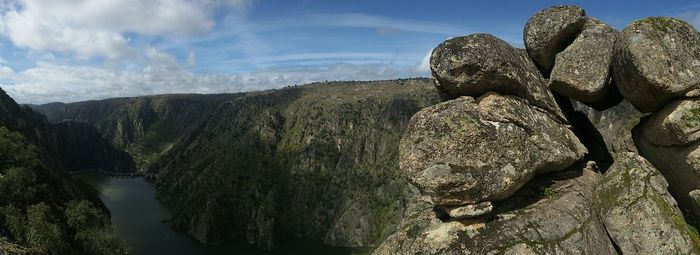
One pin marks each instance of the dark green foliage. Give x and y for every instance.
(34, 191)
(43, 232)
(309, 157)
(92, 229)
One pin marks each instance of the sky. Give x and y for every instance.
(76, 50)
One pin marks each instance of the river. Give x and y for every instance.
(140, 220)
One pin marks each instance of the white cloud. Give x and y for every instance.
(49, 82)
(100, 27)
(425, 62)
(192, 58)
(5, 72)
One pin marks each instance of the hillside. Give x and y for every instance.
(145, 127)
(265, 166)
(42, 210)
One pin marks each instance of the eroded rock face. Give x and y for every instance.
(549, 31)
(639, 213)
(582, 72)
(468, 150)
(479, 63)
(657, 59)
(529, 222)
(677, 123)
(680, 164)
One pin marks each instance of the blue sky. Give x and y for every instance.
(73, 50)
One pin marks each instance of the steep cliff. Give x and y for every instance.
(146, 127)
(316, 161)
(42, 210)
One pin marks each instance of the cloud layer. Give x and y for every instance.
(70, 50)
(60, 83)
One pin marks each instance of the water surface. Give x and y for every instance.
(140, 220)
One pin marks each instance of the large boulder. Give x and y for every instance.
(639, 214)
(659, 138)
(467, 150)
(549, 31)
(479, 63)
(553, 214)
(582, 71)
(677, 123)
(657, 59)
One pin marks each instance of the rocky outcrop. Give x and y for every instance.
(469, 157)
(479, 63)
(677, 124)
(639, 214)
(550, 31)
(666, 139)
(467, 151)
(657, 59)
(583, 70)
(552, 214)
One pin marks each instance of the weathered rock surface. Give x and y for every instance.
(549, 31)
(466, 211)
(583, 71)
(474, 150)
(479, 63)
(614, 124)
(680, 165)
(639, 214)
(695, 197)
(657, 59)
(677, 123)
(529, 222)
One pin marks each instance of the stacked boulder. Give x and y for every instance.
(500, 167)
(657, 68)
(502, 129)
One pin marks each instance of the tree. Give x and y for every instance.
(41, 232)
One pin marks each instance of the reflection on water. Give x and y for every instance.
(139, 218)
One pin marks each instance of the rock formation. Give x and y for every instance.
(657, 59)
(468, 151)
(499, 174)
(639, 214)
(583, 71)
(480, 63)
(550, 31)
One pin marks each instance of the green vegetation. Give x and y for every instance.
(549, 192)
(692, 116)
(42, 211)
(317, 159)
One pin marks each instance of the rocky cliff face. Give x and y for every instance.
(317, 161)
(146, 127)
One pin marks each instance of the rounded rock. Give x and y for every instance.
(656, 60)
(475, 64)
(468, 151)
(549, 31)
(583, 71)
